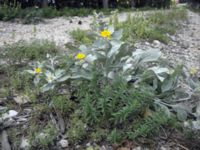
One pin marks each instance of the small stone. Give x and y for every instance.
(42, 136)
(12, 113)
(21, 99)
(137, 148)
(173, 38)
(185, 44)
(9, 114)
(78, 146)
(64, 143)
(88, 144)
(24, 144)
(163, 148)
(147, 43)
(156, 42)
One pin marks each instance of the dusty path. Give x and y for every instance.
(56, 29)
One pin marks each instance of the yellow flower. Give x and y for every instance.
(38, 70)
(106, 34)
(80, 56)
(193, 71)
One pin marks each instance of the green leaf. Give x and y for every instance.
(160, 72)
(30, 71)
(36, 79)
(91, 58)
(115, 48)
(117, 35)
(47, 87)
(150, 55)
(111, 29)
(83, 48)
(59, 73)
(181, 113)
(167, 85)
(65, 78)
(100, 44)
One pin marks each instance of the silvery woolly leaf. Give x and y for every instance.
(167, 85)
(125, 51)
(100, 44)
(50, 66)
(59, 73)
(85, 65)
(36, 80)
(128, 78)
(193, 83)
(30, 71)
(48, 73)
(197, 113)
(83, 48)
(127, 66)
(159, 71)
(181, 113)
(147, 56)
(115, 48)
(81, 76)
(48, 55)
(111, 29)
(155, 84)
(111, 75)
(196, 124)
(47, 87)
(91, 58)
(166, 110)
(64, 78)
(117, 35)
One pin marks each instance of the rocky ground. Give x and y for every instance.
(184, 47)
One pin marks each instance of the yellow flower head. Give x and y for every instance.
(38, 70)
(106, 34)
(80, 56)
(193, 71)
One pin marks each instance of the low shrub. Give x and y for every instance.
(152, 27)
(112, 86)
(26, 51)
(9, 13)
(81, 36)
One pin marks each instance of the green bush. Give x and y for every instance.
(34, 50)
(81, 36)
(153, 27)
(9, 13)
